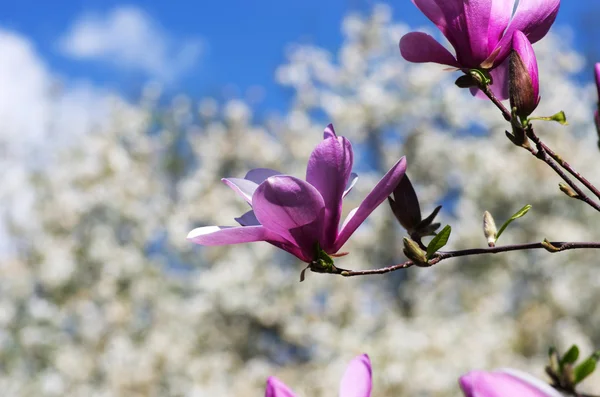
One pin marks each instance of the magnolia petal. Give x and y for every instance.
(504, 383)
(225, 235)
(597, 76)
(243, 187)
(420, 47)
(291, 208)
(356, 381)
(532, 17)
(350, 184)
(328, 170)
(467, 29)
(500, 83)
(380, 192)
(259, 175)
(329, 132)
(276, 388)
(248, 219)
(432, 11)
(501, 13)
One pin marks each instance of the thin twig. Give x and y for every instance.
(440, 256)
(543, 155)
(572, 171)
(547, 155)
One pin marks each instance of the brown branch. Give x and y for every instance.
(440, 256)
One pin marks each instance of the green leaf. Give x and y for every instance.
(440, 240)
(517, 215)
(570, 356)
(584, 369)
(559, 117)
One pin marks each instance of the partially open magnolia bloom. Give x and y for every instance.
(302, 217)
(597, 75)
(505, 383)
(480, 32)
(524, 80)
(356, 381)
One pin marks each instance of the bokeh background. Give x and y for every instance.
(117, 121)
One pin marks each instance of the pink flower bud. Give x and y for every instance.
(524, 86)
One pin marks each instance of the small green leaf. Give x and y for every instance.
(570, 356)
(559, 117)
(517, 215)
(440, 240)
(584, 369)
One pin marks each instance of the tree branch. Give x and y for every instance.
(440, 256)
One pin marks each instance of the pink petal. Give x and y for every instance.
(356, 381)
(534, 18)
(243, 187)
(328, 170)
(500, 18)
(248, 219)
(329, 132)
(504, 383)
(291, 208)
(597, 76)
(384, 188)
(500, 83)
(432, 11)
(225, 235)
(467, 25)
(276, 388)
(420, 47)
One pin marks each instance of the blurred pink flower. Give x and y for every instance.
(302, 217)
(505, 383)
(480, 32)
(356, 381)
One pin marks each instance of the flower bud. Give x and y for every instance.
(405, 205)
(502, 383)
(414, 252)
(524, 87)
(489, 229)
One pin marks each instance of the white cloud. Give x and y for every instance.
(37, 117)
(128, 38)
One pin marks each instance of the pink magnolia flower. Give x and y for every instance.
(524, 79)
(596, 116)
(356, 381)
(302, 217)
(480, 32)
(505, 383)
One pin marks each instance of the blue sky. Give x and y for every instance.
(234, 43)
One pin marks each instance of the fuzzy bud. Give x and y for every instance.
(414, 252)
(489, 229)
(524, 85)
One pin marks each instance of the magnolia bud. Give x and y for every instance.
(489, 229)
(405, 205)
(414, 252)
(524, 85)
